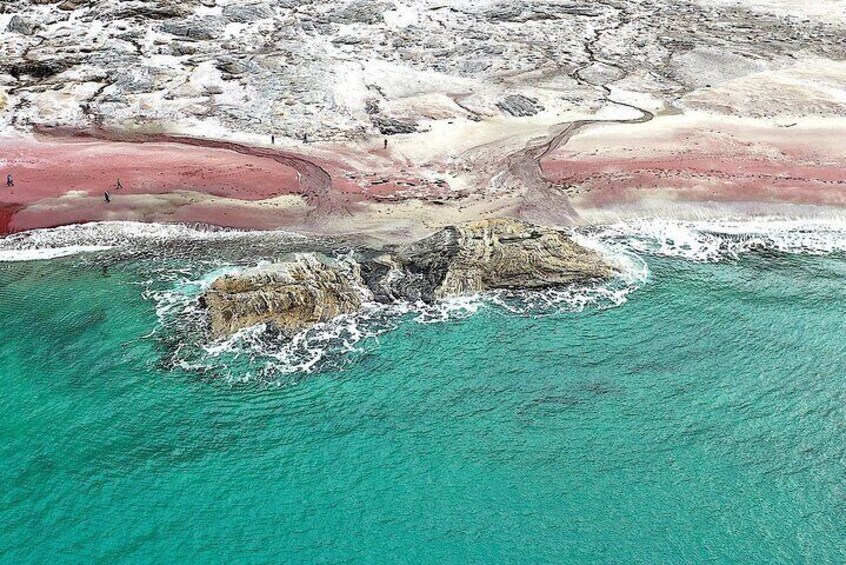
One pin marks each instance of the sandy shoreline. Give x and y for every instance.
(567, 116)
(673, 166)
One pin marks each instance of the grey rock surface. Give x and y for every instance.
(246, 13)
(519, 105)
(22, 25)
(302, 65)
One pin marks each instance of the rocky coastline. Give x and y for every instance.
(294, 295)
(389, 117)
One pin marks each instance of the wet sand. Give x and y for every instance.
(704, 160)
(60, 178)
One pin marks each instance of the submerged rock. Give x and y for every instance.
(474, 257)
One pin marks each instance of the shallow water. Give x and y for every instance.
(697, 415)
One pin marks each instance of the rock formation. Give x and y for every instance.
(474, 257)
(290, 296)
(519, 105)
(311, 59)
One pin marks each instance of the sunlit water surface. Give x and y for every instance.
(695, 411)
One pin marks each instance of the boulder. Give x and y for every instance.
(246, 13)
(519, 105)
(38, 69)
(487, 255)
(71, 5)
(362, 12)
(390, 126)
(19, 24)
(198, 28)
(479, 256)
(290, 297)
(161, 10)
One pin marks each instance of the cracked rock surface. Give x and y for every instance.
(293, 295)
(301, 67)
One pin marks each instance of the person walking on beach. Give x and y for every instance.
(305, 138)
(9, 181)
(118, 186)
(272, 139)
(107, 196)
(385, 146)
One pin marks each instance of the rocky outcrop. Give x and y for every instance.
(21, 25)
(290, 297)
(481, 256)
(305, 63)
(246, 13)
(198, 28)
(520, 106)
(390, 126)
(362, 12)
(474, 257)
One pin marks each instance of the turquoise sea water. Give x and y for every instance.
(702, 419)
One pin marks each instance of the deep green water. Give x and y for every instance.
(702, 420)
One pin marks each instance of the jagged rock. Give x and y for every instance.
(145, 11)
(390, 126)
(246, 13)
(487, 255)
(371, 107)
(362, 12)
(504, 12)
(519, 105)
(202, 29)
(232, 66)
(21, 25)
(290, 297)
(471, 258)
(38, 69)
(71, 5)
(522, 12)
(180, 49)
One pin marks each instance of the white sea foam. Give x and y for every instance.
(715, 240)
(255, 354)
(62, 241)
(44, 253)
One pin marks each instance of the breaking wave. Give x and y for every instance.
(255, 354)
(129, 237)
(45, 253)
(174, 281)
(710, 241)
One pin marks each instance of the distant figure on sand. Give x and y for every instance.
(386, 144)
(118, 186)
(272, 139)
(305, 138)
(107, 196)
(9, 181)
